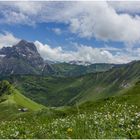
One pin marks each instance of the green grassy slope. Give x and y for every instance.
(110, 118)
(60, 91)
(131, 96)
(111, 107)
(11, 99)
(47, 90)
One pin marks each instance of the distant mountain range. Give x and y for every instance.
(68, 69)
(36, 93)
(60, 91)
(24, 59)
(58, 84)
(85, 63)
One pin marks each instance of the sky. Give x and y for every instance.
(96, 32)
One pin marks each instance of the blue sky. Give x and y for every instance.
(64, 31)
(45, 33)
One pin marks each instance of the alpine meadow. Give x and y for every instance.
(69, 69)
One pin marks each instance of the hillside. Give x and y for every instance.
(110, 118)
(68, 69)
(103, 105)
(11, 100)
(58, 91)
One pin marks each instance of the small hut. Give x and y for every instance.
(23, 109)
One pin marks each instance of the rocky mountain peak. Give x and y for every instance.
(20, 50)
(25, 46)
(22, 58)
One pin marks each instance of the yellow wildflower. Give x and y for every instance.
(69, 130)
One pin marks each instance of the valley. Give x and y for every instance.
(66, 100)
(59, 91)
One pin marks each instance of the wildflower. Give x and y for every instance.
(69, 130)
(16, 133)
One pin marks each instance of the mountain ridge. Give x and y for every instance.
(60, 91)
(22, 58)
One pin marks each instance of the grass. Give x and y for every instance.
(23, 101)
(112, 110)
(61, 91)
(11, 100)
(66, 69)
(113, 118)
(15, 97)
(108, 120)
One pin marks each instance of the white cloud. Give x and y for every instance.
(16, 18)
(8, 39)
(86, 19)
(126, 6)
(100, 20)
(85, 53)
(57, 31)
(20, 12)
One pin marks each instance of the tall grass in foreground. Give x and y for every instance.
(111, 120)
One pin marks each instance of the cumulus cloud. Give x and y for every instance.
(107, 21)
(101, 21)
(7, 39)
(98, 20)
(19, 12)
(85, 53)
(126, 6)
